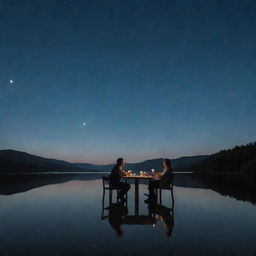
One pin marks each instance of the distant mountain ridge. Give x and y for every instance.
(24, 157)
(181, 163)
(18, 161)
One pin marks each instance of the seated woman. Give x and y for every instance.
(161, 180)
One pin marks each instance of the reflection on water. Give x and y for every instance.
(64, 217)
(165, 214)
(119, 215)
(238, 185)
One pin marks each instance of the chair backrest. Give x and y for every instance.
(168, 187)
(104, 180)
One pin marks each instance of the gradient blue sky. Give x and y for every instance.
(150, 78)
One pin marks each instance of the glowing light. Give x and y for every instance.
(84, 124)
(11, 81)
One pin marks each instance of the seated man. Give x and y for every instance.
(161, 180)
(114, 179)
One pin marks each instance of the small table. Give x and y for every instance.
(136, 182)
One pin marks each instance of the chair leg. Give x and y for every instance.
(172, 197)
(110, 196)
(160, 195)
(102, 213)
(103, 197)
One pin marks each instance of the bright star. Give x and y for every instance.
(11, 81)
(84, 124)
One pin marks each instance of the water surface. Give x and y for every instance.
(65, 218)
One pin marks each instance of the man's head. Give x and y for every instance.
(120, 162)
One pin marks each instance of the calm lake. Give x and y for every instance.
(64, 215)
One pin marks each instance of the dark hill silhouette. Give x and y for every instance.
(230, 172)
(17, 161)
(182, 163)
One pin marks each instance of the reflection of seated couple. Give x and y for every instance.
(160, 180)
(118, 212)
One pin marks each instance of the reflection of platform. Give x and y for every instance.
(139, 220)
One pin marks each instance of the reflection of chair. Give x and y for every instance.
(115, 216)
(103, 216)
(165, 188)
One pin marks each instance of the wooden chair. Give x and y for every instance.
(106, 186)
(165, 188)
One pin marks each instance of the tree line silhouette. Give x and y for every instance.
(230, 172)
(240, 159)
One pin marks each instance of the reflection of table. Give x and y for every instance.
(136, 183)
(139, 220)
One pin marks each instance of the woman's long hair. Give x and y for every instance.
(168, 163)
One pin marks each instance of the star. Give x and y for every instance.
(84, 124)
(11, 81)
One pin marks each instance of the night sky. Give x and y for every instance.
(89, 81)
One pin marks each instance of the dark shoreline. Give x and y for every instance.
(240, 186)
(12, 184)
